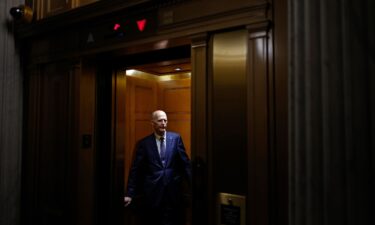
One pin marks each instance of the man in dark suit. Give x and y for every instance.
(157, 173)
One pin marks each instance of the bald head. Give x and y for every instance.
(159, 122)
(157, 114)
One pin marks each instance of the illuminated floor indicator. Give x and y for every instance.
(141, 24)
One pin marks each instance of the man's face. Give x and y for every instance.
(159, 122)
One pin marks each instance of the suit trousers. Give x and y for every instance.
(163, 215)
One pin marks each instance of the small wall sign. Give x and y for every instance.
(231, 209)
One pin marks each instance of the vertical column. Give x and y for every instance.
(10, 120)
(199, 120)
(331, 112)
(261, 183)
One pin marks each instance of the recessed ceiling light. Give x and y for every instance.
(130, 72)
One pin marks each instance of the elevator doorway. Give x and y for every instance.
(145, 86)
(147, 92)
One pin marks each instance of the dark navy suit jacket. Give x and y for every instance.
(158, 184)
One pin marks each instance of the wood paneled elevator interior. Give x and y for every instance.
(91, 89)
(142, 89)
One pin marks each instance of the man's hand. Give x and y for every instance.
(127, 200)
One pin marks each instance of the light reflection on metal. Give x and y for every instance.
(22, 13)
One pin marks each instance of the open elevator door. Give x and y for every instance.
(148, 82)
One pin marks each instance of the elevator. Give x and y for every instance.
(221, 80)
(130, 88)
(88, 105)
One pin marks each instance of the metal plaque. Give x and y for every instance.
(231, 209)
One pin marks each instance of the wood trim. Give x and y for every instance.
(279, 64)
(71, 20)
(259, 119)
(199, 127)
(252, 14)
(85, 14)
(32, 136)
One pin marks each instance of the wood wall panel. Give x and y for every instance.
(175, 100)
(59, 173)
(50, 156)
(143, 95)
(54, 146)
(141, 101)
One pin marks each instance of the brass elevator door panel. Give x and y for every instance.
(229, 106)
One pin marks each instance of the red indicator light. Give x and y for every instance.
(116, 26)
(141, 24)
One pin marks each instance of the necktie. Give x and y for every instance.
(162, 150)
